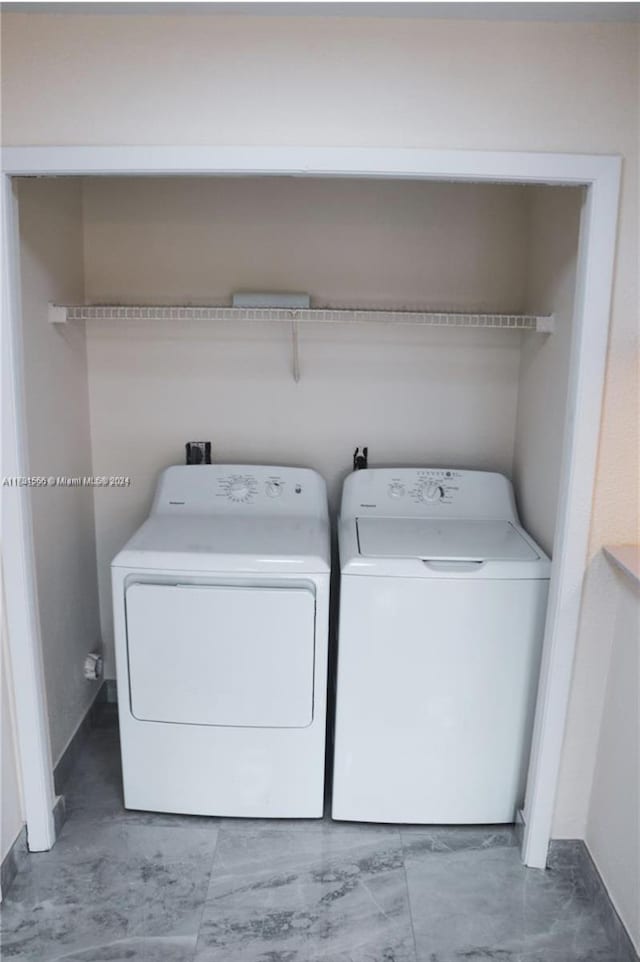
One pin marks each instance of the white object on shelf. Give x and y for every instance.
(257, 299)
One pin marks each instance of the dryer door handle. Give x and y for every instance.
(454, 566)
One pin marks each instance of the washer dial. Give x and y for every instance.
(396, 490)
(429, 491)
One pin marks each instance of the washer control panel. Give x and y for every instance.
(233, 489)
(427, 485)
(428, 492)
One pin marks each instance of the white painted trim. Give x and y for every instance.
(514, 167)
(34, 749)
(594, 282)
(601, 175)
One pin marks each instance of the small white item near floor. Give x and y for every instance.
(442, 607)
(221, 627)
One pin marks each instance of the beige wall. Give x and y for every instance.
(57, 403)
(587, 697)
(544, 362)
(433, 396)
(241, 80)
(155, 79)
(343, 241)
(613, 821)
(11, 814)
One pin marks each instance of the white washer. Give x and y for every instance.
(442, 607)
(221, 605)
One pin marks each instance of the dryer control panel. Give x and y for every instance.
(240, 489)
(250, 487)
(428, 492)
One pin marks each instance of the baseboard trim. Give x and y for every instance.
(13, 861)
(94, 717)
(16, 858)
(562, 851)
(59, 815)
(519, 827)
(97, 714)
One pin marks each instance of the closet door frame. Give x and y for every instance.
(599, 174)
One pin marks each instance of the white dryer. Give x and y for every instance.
(221, 604)
(442, 608)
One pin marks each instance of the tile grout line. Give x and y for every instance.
(406, 882)
(205, 900)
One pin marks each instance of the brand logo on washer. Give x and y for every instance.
(362, 505)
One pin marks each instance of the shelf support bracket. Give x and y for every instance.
(56, 314)
(546, 324)
(295, 348)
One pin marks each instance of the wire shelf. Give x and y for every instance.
(513, 322)
(540, 323)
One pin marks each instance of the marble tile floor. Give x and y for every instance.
(156, 888)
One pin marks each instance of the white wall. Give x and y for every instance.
(11, 813)
(425, 396)
(613, 821)
(544, 361)
(57, 410)
(204, 79)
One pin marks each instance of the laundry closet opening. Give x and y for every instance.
(119, 398)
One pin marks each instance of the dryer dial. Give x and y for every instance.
(273, 489)
(238, 489)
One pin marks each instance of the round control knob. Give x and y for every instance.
(273, 489)
(396, 490)
(431, 492)
(238, 489)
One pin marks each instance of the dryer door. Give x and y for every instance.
(221, 655)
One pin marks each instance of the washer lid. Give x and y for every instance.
(435, 540)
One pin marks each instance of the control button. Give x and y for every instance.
(430, 492)
(238, 489)
(273, 489)
(396, 490)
